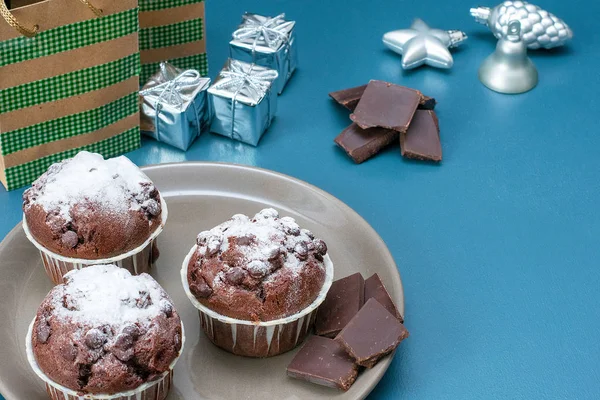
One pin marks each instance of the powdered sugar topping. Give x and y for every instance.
(107, 294)
(113, 184)
(260, 240)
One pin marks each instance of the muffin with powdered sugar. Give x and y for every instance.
(257, 269)
(253, 274)
(89, 208)
(106, 331)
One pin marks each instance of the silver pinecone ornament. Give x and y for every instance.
(539, 28)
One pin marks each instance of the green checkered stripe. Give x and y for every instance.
(198, 62)
(24, 174)
(154, 5)
(69, 37)
(70, 84)
(170, 35)
(71, 125)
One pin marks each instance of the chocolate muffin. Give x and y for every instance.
(106, 331)
(258, 269)
(90, 208)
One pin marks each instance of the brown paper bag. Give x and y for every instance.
(174, 31)
(69, 75)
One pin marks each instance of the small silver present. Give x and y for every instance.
(174, 106)
(243, 101)
(266, 41)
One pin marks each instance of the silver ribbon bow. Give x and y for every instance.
(245, 80)
(269, 32)
(171, 91)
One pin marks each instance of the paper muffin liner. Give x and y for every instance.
(136, 261)
(257, 339)
(157, 389)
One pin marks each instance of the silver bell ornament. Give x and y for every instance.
(508, 69)
(539, 28)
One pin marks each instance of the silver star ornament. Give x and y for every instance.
(421, 45)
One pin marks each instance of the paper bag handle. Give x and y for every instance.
(95, 10)
(12, 21)
(31, 32)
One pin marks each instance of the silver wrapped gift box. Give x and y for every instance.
(175, 107)
(243, 101)
(266, 41)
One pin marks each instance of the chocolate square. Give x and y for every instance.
(374, 289)
(362, 144)
(349, 98)
(345, 297)
(422, 140)
(323, 361)
(386, 105)
(372, 334)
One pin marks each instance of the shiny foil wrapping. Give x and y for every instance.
(174, 106)
(267, 41)
(243, 101)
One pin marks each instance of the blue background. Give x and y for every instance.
(498, 245)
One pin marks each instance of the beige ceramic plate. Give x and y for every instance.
(200, 196)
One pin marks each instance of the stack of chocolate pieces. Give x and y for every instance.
(356, 326)
(384, 113)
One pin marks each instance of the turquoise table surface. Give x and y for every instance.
(498, 247)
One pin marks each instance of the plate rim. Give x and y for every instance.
(4, 389)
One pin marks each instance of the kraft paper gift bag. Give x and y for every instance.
(174, 31)
(69, 77)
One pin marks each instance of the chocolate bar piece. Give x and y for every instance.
(374, 289)
(323, 361)
(349, 98)
(386, 105)
(422, 140)
(345, 297)
(372, 334)
(427, 103)
(362, 144)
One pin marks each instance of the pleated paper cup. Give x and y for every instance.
(157, 389)
(257, 339)
(136, 261)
